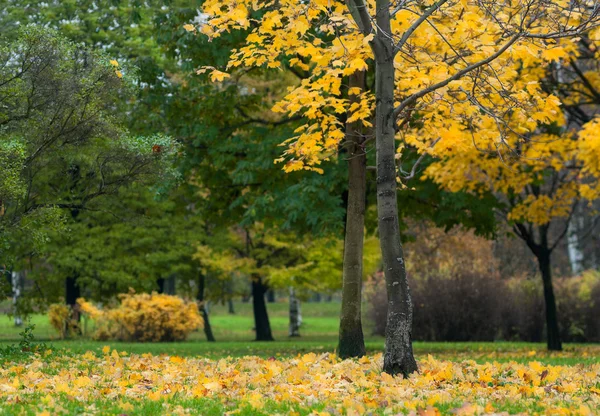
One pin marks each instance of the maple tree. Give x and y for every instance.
(542, 176)
(440, 64)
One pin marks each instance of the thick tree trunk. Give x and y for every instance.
(294, 314)
(17, 288)
(351, 339)
(203, 309)
(261, 318)
(398, 356)
(552, 331)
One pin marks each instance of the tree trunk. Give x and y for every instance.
(203, 309)
(271, 296)
(72, 293)
(17, 288)
(398, 356)
(351, 339)
(259, 307)
(294, 314)
(161, 285)
(552, 331)
(574, 249)
(170, 285)
(230, 308)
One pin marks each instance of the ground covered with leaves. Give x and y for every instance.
(111, 382)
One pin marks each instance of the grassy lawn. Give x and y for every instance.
(289, 376)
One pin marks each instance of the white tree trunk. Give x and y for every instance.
(576, 225)
(17, 289)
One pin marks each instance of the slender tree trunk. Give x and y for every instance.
(203, 309)
(170, 285)
(574, 249)
(351, 339)
(271, 296)
(294, 314)
(160, 282)
(552, 330)
(261, 317)
(230, 308)
(17, 288)
(398, 356)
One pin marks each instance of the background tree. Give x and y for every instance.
(69, 149)
(541, 178)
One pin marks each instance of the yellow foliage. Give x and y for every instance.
(144, 318)
(61, 319)
(322, 39)
(350, 387)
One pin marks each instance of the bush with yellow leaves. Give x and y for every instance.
(144, 317)
(61, 319)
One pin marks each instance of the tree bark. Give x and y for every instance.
(553, 333)
(398, 356)
(160, 282)
(259, 307)
(203, 309)
(17, 288)
(72, 293)
(294, 314)
(351, 339)
(574, 249)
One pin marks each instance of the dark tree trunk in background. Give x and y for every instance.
(230, 306)
(161, 285)
(398, 356)
(259, 306)
(202, 308)
(294, 314)
(170, 285)
(351, 339)
(552, 331)
(271, 296)
(72, 291)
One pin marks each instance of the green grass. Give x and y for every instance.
(319, 334)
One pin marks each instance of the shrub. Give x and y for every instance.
(61, 319)
(467, 307)
(144, 317)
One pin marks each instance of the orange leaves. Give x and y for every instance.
(343, 387)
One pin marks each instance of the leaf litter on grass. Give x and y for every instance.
(307, 384)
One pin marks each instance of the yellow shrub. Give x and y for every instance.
(61, 319)
(144, 317)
